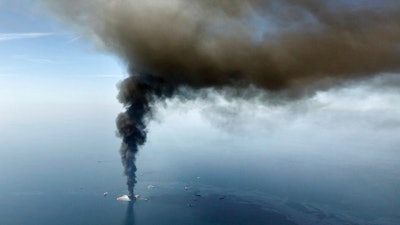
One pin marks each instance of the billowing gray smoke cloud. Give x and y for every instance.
(289, 49)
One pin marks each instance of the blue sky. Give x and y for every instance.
(43, 60)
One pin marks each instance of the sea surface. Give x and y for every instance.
(57, 161)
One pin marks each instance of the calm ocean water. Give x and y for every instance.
(55, 168)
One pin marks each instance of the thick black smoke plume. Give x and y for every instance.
(290, 49)
(137, 93)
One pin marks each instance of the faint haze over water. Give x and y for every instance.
(57, 161)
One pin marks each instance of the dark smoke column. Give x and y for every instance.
(137, 93)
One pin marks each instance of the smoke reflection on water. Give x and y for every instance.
(129, 215)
